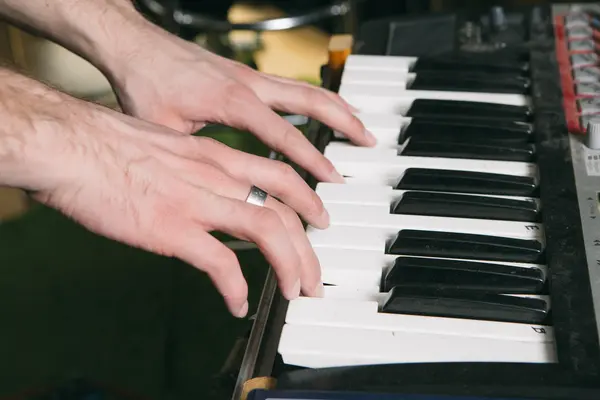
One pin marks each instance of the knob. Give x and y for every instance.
(593, 134)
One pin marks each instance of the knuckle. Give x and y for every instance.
(206, 145)
(289, 216)
(227, 271)
(269, 222)
(287, 138)
(312, 96)
(286, 172)
(236, 93)
(228, 262)
(233, 98)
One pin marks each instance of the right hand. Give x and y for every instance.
(164, 191)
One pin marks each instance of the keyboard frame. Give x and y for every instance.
(576, 376)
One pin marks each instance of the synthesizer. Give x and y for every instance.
(463, 256)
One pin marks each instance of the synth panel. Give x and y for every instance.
(463, 253)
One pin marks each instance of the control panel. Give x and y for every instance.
(577, 32)
(578, 49)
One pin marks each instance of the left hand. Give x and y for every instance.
(180, 85)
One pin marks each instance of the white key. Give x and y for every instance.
(365, 315)
(378, 195)
(375, 238)
(383, 98)
(320, 347)
(382, 121)
(351, 267)
(397, 78)
(379, 63)
(364, 293)
(365, 268)
(357, 215)
(386, 164)
(385, 127)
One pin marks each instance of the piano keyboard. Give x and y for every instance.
(435, 251)
(262, 394)
(464, 249)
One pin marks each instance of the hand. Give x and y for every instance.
(163, 191)
(178, 84)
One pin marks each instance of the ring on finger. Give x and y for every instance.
(257, 196)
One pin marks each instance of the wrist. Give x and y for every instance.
(33, 133)
(106, 33)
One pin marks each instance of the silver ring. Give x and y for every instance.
(257, 196)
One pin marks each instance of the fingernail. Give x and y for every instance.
(243, 311)
(352, 108)
(371, 139)
(318, 290)
(336, 177)
(324, 218)
(295, 291)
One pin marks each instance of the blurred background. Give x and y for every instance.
(79, 310)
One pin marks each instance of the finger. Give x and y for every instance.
(244, 110)
(312, 102)
(210, 178)
(201, 250)
(333, 96)
(277, 178)
(310, 268)
(260, 225)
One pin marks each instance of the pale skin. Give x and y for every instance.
(139, 177)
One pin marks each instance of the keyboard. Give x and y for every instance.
(463, 256)
(303, 395)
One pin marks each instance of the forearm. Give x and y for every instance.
(105, 32)
(32, 133)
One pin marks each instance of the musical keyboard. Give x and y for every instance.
(441, 250)
(466, 240)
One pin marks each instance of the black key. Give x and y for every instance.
(439, 180)
(469, 74)
(468, 130)
(524, 152)
(466, 304)
(468, 246)
(470, 109)
(466, 206)
(486, 63)
(469, 83)
(435, 273)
